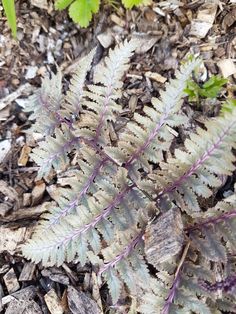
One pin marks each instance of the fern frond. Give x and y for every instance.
(207, 234)
(45, 104)
(106, 213)
(68, 199)
(72, 235)
(144, 136)
(53, 151)
(75, 95)
(102, 105)
(126, 263)
(191, 173)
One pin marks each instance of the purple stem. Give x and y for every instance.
(54, 113)
(226, 285)
(62, 150)
(126, 251)
(171, 295)
(150, 138)
(105, 213)
(213, 220)
(75, 201)
(197, 164)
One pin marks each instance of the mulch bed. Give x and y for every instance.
(47, 39)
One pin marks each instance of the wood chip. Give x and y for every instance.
(25, 213)
(27, 272)
(117, 20)
(148, 43)
(204, 21)
(56, 275)
(156, 77)
(5, 148)
(26, 199)
(106, 39)
(42, 4)
(23, 307)
(24, 89)
(133, 103)
(24, 155)
(227, 67)
(80, 303)
(53, 302)
(10, 240)
(9, 192)
(11, 281)
(164, 238)
(229, 19)
(4, 209)
(37, 192)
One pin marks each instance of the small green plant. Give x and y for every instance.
(81, 11)
(126, 205)
(9, 8)
(210, 89)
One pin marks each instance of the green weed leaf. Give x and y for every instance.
(62, 4)
(81, 11)
(9, 8)
(209, 89)
(128, 4)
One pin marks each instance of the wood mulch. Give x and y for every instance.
(45, 39)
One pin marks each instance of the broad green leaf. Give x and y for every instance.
(81, 11)
(62, 4)
(9, 8)
(228, 106)
(128, 4)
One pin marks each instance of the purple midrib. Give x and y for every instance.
(106, 212)
(62, 149)
(142, 148)
(83, 191)
(213, 220)
(124, 253)
(198, 163)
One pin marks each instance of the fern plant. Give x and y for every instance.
(119, 209)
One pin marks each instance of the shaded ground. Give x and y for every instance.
(46, 39)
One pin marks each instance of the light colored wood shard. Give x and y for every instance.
(80, 303)
(204, 21)
(164, 237)
(10, 238)
(27, 272)
(227, 67)
(24, 155)
(38, 192)
(155, 77)
(53, 302)
(11, 281)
